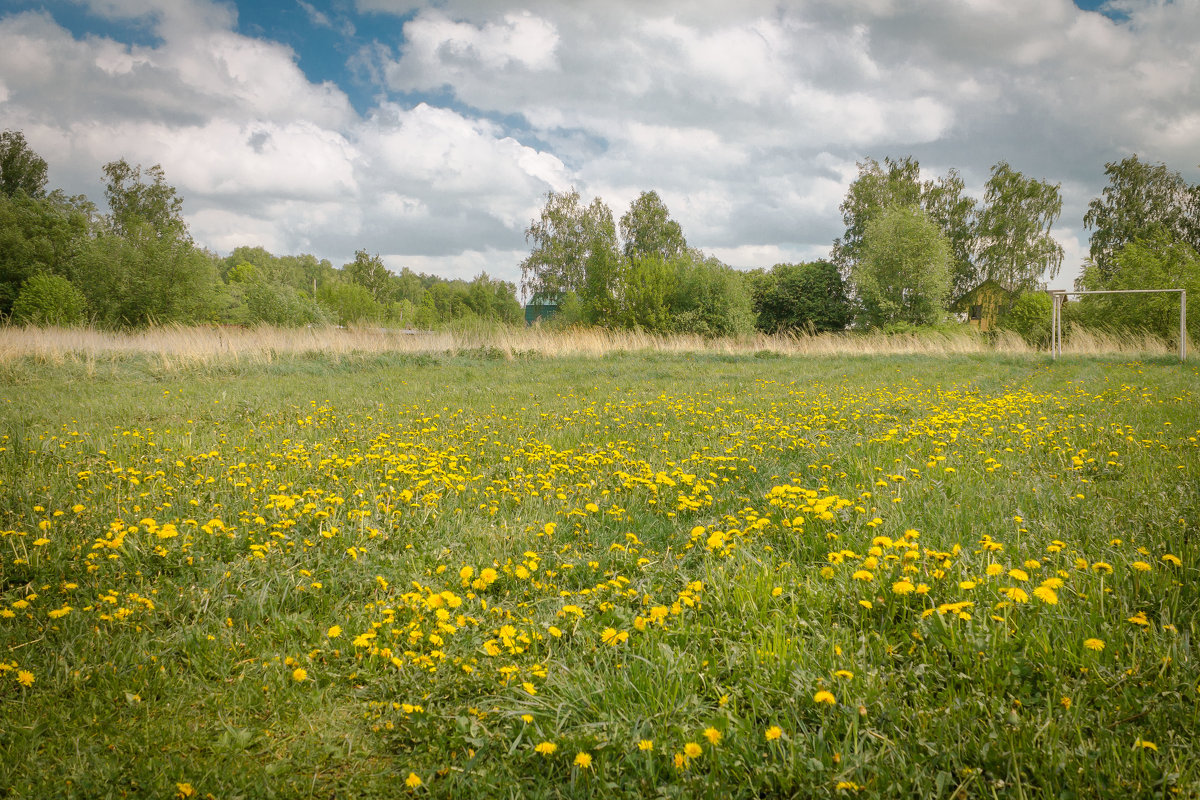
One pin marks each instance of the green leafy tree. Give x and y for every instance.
(144, 267)
(568, 237)
(40, 234)
(710, 298)
(602, 265)
(22, 171)
(369, 272)
(349, 303)
(955, 213)
(1140, 199)
(1014, 245)
(1159, 261)
(493, 300)
(647, 284)
(648, 230)
(802, 297)
(895, 183)
(132, 282)
(141, 208)
(49, 300)
(303, 272)
(245, 272)
(903, 275)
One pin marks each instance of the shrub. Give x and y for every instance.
(1030, 318)
(47, 299)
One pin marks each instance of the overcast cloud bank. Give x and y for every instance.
(747, 118)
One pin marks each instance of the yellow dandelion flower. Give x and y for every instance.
(583, 760)
(334, 631)
(692, 750)
(184, 791)
(1172, 560)
(546, 748)
(25, 678)
(773, 733)
(299, 674)
(824, 696)
(1094, 644)
(646, 745)
(1141, 566)
(1145, 745)
(613, 637)
(413, 780)
(1046, 595)
(713, 735)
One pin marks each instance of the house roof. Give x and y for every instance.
(544, 299)
(970, 298)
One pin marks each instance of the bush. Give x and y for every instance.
(710, 299)
(1030, 318)
(349, 303)
(47, 299)
(282, 306)
(802, 297)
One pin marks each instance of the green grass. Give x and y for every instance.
(680, 544)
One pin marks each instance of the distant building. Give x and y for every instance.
(541, 307)
(984, 304)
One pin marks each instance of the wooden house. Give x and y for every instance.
(984, 304)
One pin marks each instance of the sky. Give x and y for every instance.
(431, 132)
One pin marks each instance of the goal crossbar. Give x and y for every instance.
(1059, 295)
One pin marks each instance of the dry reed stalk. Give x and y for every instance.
(176, 347)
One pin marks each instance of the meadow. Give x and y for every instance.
(492, 572)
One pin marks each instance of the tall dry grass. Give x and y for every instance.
(178, 346)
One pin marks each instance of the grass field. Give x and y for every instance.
(640, 574)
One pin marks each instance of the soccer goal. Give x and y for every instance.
(1059, 295)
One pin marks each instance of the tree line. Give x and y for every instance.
(910, 248)
(63, 262)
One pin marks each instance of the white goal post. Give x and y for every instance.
(1059, 295)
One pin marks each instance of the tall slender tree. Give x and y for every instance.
(648, 230)
(1013, 240)
(1140, 199)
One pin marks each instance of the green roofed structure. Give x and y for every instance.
(541, 307)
